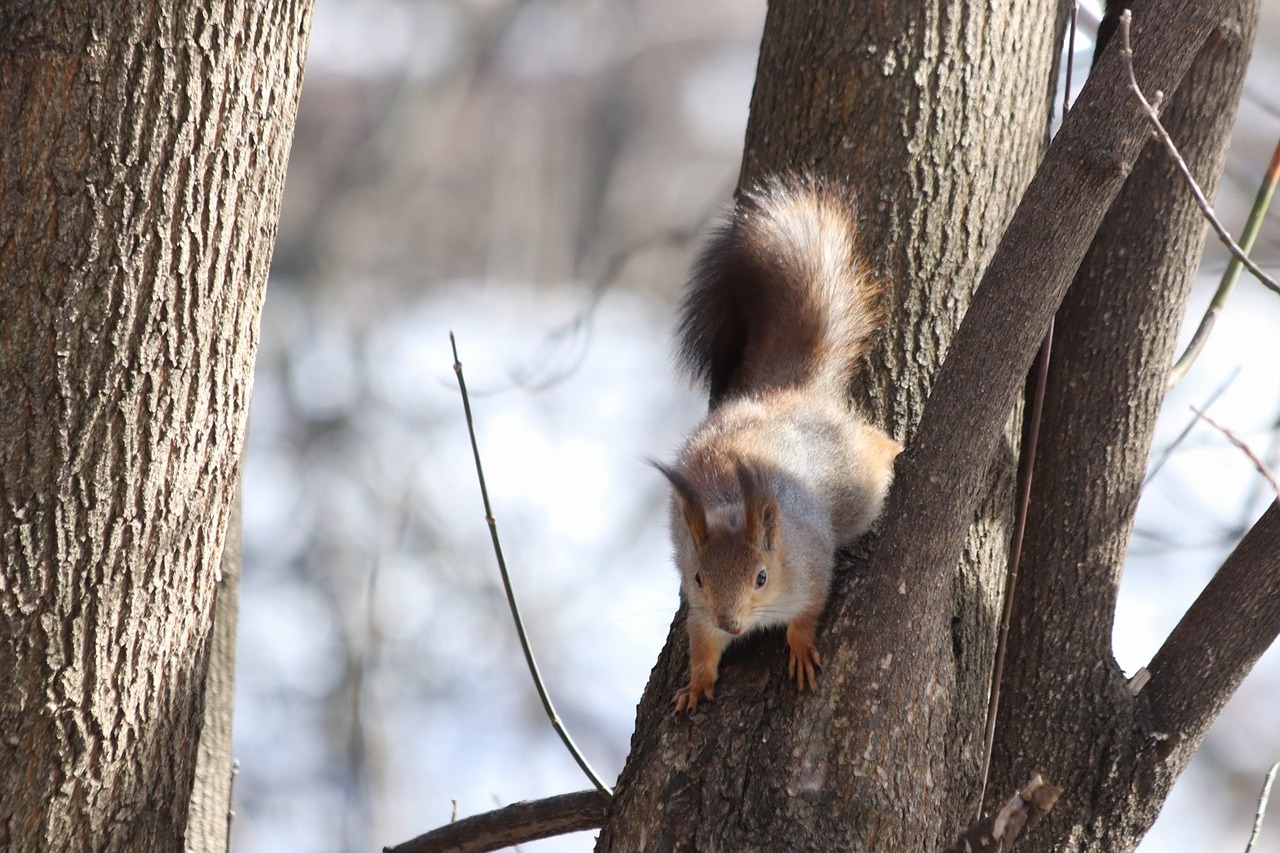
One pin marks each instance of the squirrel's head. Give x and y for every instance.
(736, 572)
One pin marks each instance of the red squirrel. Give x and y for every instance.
(778, 314)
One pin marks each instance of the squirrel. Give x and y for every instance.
(776, 318)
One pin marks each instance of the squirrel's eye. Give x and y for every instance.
(761, 578)
(697, 578)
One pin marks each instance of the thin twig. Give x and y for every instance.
(1252, 226)
(1071, 57)
(1263, 799)
(1186, 431)
(511, 596)
(1026, 469)
(1244, 448)
(231, 800)
(1126, 53)
(1272, 457)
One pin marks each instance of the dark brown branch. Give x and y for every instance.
(1001, 829)
(1037, 381)
(517, 823)
(1233, 621)
(1114, 334)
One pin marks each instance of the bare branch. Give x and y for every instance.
(524, 821)
(1244, 448)
(1001, 829)
(1261, 201)
(1036, 385)
(1263, 798)
(1186, 431)
(541, 687)
(1228, 627)
(1153, 116)
(978, 382)
(231, 801)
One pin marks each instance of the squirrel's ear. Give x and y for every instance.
(759, 507)
(695, 517)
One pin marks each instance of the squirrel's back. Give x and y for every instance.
(781, 297)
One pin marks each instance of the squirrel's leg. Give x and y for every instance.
(804, 654)
(706, 645)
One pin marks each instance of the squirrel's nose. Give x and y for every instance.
(729, 624)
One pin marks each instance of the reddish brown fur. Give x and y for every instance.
(781, 296)
(777, 318)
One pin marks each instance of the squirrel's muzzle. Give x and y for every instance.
(729, 623)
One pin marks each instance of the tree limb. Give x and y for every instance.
(1208, 654)
(1114, 335)
(528, 820)
(1043, 246)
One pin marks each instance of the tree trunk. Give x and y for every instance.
(140, 180)
(902, 89)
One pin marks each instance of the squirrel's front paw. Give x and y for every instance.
(804, 661)
(687, 697)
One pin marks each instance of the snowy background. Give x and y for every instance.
(533, 176)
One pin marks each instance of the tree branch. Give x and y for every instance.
(908, 591)
(526, 647)
(1240, 444)
(1043, 246)
(528, 820)
(1233, 621)
(1115, 334)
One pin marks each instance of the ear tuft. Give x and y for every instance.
(695, 517)
(759, 506)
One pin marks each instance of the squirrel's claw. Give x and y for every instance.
(687, 697)
(803, 665)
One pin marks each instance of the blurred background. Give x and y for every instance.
(533, 175)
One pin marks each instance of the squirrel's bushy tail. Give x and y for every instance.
(781, 297)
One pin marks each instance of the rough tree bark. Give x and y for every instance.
(140, 179)
(883, 756)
